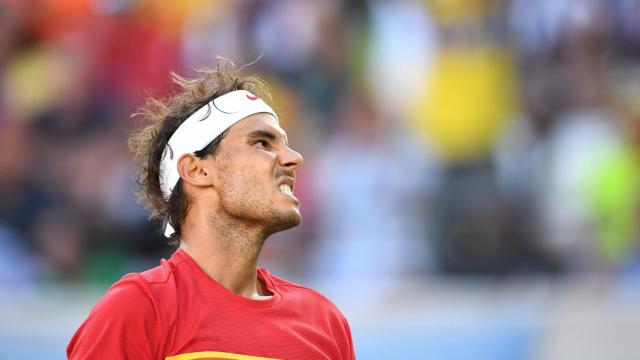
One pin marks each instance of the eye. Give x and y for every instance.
(263, 144)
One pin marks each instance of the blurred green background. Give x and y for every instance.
(470, 187)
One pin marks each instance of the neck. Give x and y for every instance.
(227, 250)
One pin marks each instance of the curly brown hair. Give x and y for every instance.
(163, 117)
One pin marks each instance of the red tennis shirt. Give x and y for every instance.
(177, 312)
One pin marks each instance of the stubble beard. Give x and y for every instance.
(248, 218)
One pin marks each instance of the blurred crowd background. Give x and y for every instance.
(477, 141)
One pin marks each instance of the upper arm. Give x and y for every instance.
(340, 328)
(124, 324)
(348, 352)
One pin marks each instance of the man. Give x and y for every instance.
(217, 167)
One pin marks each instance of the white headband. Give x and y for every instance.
(203, 127)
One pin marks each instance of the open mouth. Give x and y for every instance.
(286, 189)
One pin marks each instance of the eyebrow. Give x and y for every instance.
(264, 134)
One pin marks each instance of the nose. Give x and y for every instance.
(290, 159)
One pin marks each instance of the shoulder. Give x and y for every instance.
(135, 316)
(126, 300)
(148, 298)
(320, 310)
(290, 286)
(308, 296)
(148, 287)
(144, 294)
(160, 274)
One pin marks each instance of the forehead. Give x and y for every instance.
(257, 122)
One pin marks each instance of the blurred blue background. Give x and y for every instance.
(471, 179)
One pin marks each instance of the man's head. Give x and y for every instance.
(243, 174)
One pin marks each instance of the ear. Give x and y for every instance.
(195, 171)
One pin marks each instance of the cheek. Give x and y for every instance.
(245, 182)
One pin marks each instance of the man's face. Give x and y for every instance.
(256, 174)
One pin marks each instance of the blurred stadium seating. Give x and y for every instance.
(471, 179)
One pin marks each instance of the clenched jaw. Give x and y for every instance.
(286, 189)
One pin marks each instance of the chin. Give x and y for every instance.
(292, 219)
(286, 220)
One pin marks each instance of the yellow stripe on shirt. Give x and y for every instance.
(215, 355)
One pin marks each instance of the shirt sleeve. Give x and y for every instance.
(347, 350)
(123, 325)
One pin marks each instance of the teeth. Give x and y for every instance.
(286, 189)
